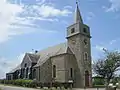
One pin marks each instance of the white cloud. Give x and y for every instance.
(18, 19)
(9, 15)
(50, 11)
(114, 6)
(43, 19)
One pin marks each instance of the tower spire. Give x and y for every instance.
(78, 17)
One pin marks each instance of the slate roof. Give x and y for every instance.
(17, 68)
(34, 58)
(51, 51)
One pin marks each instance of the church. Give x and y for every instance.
(69, 61)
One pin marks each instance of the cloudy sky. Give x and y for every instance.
(37, 24)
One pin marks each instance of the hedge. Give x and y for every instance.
(33, 84)
(20, 82)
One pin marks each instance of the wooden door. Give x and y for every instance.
(87, 79)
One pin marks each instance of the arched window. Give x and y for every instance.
(85, 42)
(18, 74)
(25, 65)
(54, 71)
(23, 73)
(86, 72)
(27, 73)
(34, 73)
(87, 78)
(84, 30)
(72, 30)
(85, 56)
(71, 72)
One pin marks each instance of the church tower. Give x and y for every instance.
(78, 39)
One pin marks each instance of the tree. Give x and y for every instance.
(108, 65)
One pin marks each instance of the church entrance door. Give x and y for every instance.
(86, 79)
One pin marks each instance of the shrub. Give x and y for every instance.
(34, 83)
(1, 81)
(19, 82)
(98, 81)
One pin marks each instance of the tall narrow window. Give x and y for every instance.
(85, 56)
(25, 65)
(72, 30)
(87, 78)
(85, 41)
(23, 73)
(54, 71)
(34, 73)
(71, 72)
(27, 73)
(39, 73)
(84, 30)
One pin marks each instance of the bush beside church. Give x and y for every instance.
(33, 83)
(20, 82)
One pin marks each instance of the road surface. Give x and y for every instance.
(3, 87)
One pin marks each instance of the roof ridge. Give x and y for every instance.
(52, 46)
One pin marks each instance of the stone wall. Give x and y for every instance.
(45, 73)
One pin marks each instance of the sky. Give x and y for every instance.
(28, 25)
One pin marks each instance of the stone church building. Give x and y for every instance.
(64, 62)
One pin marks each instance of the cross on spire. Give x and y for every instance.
(78, 17)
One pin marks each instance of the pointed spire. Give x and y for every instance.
(78, 17)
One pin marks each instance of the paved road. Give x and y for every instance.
(20, 88)
(91, 89)
(14, 88)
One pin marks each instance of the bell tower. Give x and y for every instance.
(78, 39)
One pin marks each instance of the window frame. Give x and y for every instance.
(71, 72)
(25, 65)
(54, 71)
(86, 56)
(84, 30)
(73, 30)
